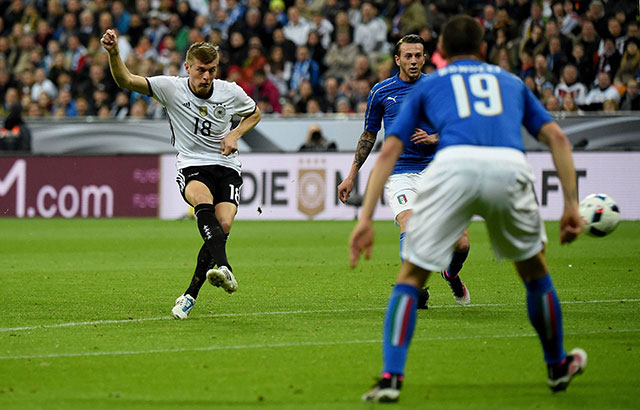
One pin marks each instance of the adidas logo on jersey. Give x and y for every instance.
(187, 104)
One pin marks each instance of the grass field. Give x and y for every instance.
(85, 321)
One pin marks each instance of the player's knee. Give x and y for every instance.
(403, 218)
(533, 268)
(463, 243)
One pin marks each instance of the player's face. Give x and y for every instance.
(410, 60)
(201, 75)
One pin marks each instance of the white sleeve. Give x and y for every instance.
(162, 88)
(243, 104)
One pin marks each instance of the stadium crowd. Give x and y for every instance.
(306, 56)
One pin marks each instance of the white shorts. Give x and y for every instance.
(462, 181)
(401, 190)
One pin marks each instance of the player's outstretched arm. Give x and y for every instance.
(365, 145)
(571, 224)
(229, 143)
(362, 237)
(119, 71)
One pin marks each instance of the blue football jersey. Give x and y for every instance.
(384, 102)
(472, 103)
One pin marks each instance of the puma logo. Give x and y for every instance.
(392, 99)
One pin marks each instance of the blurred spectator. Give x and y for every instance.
(278, 70)
(541, 74)
(602, 92)
(313, 107)
(136, 29)
(65, 105)
(569, 105)
(304, 94)
(614, 31)
(155, 30)
(609, 60)
(630, 63)
(75, 54)
(238, 52)
(323, 28)
(87, 27)
(534, 19)
(15, 135)
(266, 89)
(609, 106)
(235, 10)
(597, 16)
(186, 14)
(342, 24)
(631, 98)
(288, 110)
(298, 28)
(250, 25)
(585, 65)
(139, 109)
(409, 17)
(556, 59)
(341, 56)
(83, 107)
(304, 69)
(316, 50)
(120, 107)
(552, 104)
(354, 12)
(329, 100)
(371, 32)
(68, 28)
(344, 106)
(44, 33)
(288, 47)
(566, 17)
(589, 39)
(121, 17)
(42, 85)
(569, 85)
(316, 142)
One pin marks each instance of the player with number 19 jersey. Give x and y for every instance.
(199, 125)
(385, 100)
(483, 93)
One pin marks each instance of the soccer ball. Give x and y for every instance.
(600, 213)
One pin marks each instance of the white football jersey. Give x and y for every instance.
(198, 126)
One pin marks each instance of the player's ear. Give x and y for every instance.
(186, 66)
(397, 59)
(441, 49)
(483, 50)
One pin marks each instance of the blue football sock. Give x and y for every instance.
(402, 234)
(399, 323)
(545, 315)
(456, 263)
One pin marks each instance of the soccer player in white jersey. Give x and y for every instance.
(384, 102)
(200, 108)
(480, 169)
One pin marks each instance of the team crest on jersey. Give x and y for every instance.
(203, 111)
(402, 199)
(219, 112)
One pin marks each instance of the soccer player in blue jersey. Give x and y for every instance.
(384, 102)
(480, 169)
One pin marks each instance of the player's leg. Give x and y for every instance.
(545, 314)
(401, 194)
(460, 253)
(517, 232)
(227, 195)
(185, 302)
(399, 324)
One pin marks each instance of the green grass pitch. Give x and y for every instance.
(85, 321)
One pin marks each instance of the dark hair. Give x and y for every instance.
(462, 35)
(408, 39)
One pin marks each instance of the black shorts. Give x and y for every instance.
(224, 183)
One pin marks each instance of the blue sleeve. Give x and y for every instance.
(374, 113)
(535, 115)
(408, 118)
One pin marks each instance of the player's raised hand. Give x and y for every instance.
(571, 224)
(421, 136)
(109, 41)
(344, 189)
(361, 240)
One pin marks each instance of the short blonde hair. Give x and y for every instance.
(202, 51)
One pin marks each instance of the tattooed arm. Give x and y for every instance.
(365, 145)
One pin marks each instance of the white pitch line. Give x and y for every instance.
(297, 344)
(285, 312)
